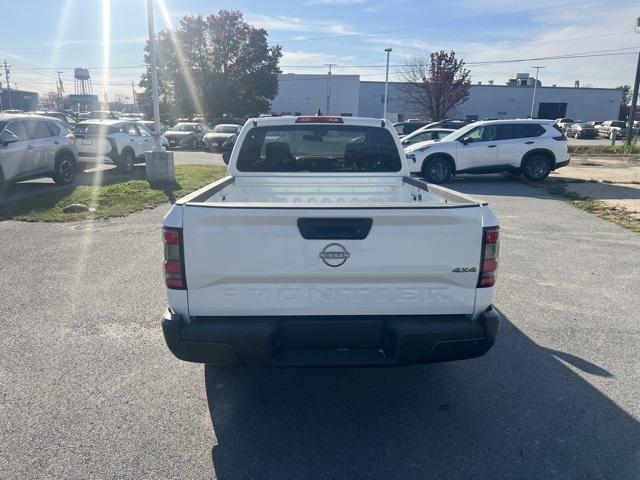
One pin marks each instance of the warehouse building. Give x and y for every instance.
(347, 95)
(18, 100)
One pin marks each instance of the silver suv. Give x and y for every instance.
(33, 146)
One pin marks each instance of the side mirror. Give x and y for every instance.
(466, 140)
(411, 156)
(7, 137)
(226, 156)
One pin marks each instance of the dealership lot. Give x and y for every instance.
(89, 389)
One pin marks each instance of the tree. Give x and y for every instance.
(625, 102)
(213, 66)
(435, 84)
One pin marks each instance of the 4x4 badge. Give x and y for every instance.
(464, 269)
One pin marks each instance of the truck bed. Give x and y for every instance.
(309, 192)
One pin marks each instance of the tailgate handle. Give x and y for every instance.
(334, 228)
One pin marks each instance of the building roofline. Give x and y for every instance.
(508, 86)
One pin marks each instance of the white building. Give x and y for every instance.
(305, 94)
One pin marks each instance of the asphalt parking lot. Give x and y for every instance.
(89, 389)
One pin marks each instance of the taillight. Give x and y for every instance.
(561, 138)
(174, 276)
(489, 260)
(319, 119)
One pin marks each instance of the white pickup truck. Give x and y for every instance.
(319, 249)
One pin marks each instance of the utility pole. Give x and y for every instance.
(330, 65)
(133, 93)
(634, 100)
(535, 87)
(60, 92)
(6, 77)
(386, 85)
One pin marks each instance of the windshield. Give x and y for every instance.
(225, 129)
(316, 148)
(184, 127)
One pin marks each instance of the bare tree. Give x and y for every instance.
(435, 84)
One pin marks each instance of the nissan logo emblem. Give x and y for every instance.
(334, 255)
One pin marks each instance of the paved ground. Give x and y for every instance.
(89, 390)
(613, 180)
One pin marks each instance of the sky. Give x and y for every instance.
(495, 38)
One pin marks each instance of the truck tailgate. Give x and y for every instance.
(255, 261)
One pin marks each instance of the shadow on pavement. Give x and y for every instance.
(517, 412)
(27, 189)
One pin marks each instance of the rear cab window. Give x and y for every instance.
(319, 148)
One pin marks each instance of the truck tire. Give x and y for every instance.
(437, 169)
(126, 161)
(536, 168)
(65, 169)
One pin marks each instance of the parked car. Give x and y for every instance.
(321, 224)
(103, 115)
(620, 128)
(453, 123)
(533, 148)
(424, 134)
(150, 125)
(405, 128)
(120, 142)
(66, 118)
(186, 135)
(36, 146)
(581, 130)
(220, 134)
(564, 123)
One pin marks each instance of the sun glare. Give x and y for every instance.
(191, 86)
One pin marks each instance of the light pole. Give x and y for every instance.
(535, 87)
(158, 163)
(386, 85)
(329, 86)
(154, 78)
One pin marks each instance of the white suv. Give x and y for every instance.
(532, 148)
(121, 142)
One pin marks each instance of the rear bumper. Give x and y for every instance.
(329, 341)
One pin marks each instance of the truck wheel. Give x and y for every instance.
(437, 170)
(536, 168)
(65, 169)
(126, 162)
